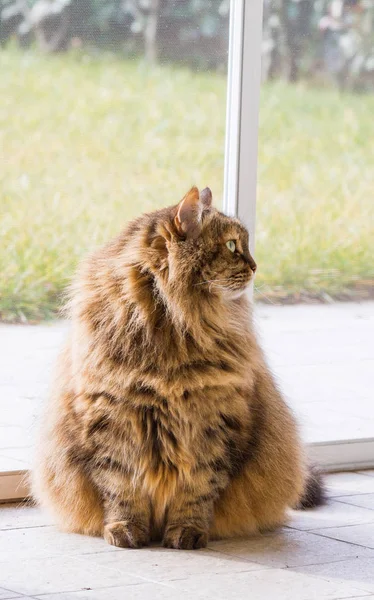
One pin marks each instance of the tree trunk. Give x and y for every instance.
(51, 37)
(150, 33)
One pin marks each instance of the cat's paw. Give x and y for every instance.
(125, 534)
(185, 538)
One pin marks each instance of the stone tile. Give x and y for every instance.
(317, 382)
(332, 349)
(333, 514)
(358, 572)
(36, 559)
(368, 472)
(342, 404)
(21, 515)
(17, 544)
(321, 340)
(362, 535)
(21, 454)
(16, 410)
(336, 426)
(13, 436)
(11, 464)
(5, 594)
(59, 574)
(163, 564)
(258, 585)
(290, 548)
(301, 317)
(362, 500)
(346, 484)
(143, 591)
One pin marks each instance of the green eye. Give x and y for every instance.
(231, 245)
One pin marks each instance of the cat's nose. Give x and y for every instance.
(250, 261)
(252, 264)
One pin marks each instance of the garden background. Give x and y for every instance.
(110, 108)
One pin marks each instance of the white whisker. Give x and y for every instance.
(212, 281)
(264, 295)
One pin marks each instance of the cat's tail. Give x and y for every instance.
(314, 493)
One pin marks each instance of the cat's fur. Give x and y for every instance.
(165, 420)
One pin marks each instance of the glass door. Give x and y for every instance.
(117, 110)
(108, 109)
(313, 227)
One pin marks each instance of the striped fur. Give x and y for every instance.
(165, 422)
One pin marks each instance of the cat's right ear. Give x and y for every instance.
(187, 221)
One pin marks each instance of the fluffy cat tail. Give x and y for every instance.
(314, 493)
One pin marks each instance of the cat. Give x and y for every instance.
(165, 422)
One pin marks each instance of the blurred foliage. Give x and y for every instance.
(87, 143)
(193, 31)
(320, 39)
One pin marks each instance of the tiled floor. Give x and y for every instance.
(325, 554)
(323, 357)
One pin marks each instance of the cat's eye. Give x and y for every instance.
(231, 245)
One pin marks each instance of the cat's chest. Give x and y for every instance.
(169, 432)
(181, 435)
(165, 437)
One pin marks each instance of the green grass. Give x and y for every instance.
(315, 197)
(86, 144)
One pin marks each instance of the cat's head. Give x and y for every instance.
(194, 246)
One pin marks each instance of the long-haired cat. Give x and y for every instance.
(165, 421)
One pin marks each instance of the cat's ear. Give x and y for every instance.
(206, 198)
(187, 221)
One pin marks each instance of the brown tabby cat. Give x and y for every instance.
(165, 419)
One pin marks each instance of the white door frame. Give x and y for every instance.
(243, 102)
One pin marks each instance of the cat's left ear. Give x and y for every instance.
(206, 198)
(188, 218)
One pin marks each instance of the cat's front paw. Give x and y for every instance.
(125, 534)
(185, 538)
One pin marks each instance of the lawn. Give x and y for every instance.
(86, 143)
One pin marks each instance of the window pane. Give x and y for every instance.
(108, 109)
(314, 223)
(119, 121)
